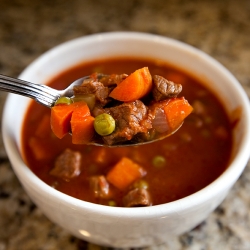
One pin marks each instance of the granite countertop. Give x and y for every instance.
(28, 28)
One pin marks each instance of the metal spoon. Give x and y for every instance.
(40, 93)
(47, 96)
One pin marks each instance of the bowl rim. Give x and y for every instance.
(228, 177)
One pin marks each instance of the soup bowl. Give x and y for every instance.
(142, 226)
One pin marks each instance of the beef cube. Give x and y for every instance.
(164, 89)
(138, 197)
(67, 165)
(99, 186)
(97, 110)
(130, 118)
(112, 80)
(90, 86)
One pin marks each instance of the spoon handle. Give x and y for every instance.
(41, 93)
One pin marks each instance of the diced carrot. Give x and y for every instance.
(82, 124)
(61, 116)
(124, 173)
(134, 87)
(60, 119)
(82, 128)
(176, 111)
(81, 108)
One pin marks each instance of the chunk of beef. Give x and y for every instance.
(130, 118)
(110, 80)
(97, 110)
(138, 197)
(90, 86)
(67, 165)
(100, 186)
(164, 89)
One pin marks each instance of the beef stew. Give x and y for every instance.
(147, 175)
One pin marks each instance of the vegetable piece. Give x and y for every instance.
(81, 108)
(82, 129)
(141, 184)
(134, 87)
(124, 173)
(61, 115)
(82, 124)
(112, 203)
(176, 111)
(104, 124)
(160, 123)
(88, 98)
(63, 100)
(60, 119)
(159, 161)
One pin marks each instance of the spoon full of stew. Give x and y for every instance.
(110, 110)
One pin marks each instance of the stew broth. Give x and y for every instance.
(176, 167)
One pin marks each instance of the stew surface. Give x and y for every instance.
(172, 168)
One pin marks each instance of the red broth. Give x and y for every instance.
(193, 157)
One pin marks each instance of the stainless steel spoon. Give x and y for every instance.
(47, 96)
(41, 93)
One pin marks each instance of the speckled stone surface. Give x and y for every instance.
(28, 28)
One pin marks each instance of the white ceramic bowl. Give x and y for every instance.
(128, 227)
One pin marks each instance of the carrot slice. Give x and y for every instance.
(60, 119)
(81, 108)
(82, 124)
(176, 111)
(124, 173)
(82, 128)
(61, 116)
(134, 87)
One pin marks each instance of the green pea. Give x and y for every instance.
(159, 161)
(142, 184)
(63, 100)
(104, 124)
(112, 203)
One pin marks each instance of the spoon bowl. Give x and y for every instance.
(133, 144)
